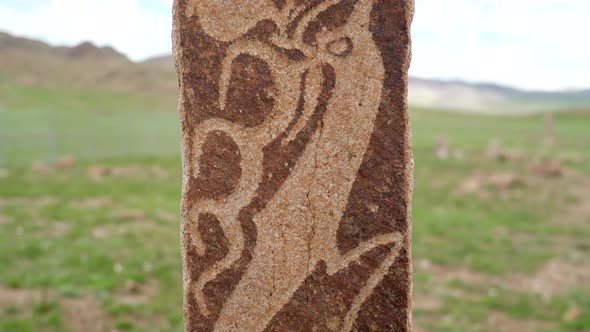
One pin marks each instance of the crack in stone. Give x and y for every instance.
(309, 202)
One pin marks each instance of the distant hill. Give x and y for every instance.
(164, 61)
(34, 62)
(86, 65)
(86, 50)
(462, 96)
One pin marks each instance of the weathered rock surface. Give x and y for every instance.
(297, 164)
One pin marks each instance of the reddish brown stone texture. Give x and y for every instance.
(219, 167)
(297, 164)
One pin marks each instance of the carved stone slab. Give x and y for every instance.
(297, 164)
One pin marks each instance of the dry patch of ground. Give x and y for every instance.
(544, 174)
(44, 167)
(135, 219)
(133, 226)
(425, 302)
(29, 201)
(578, 211)
(131, 214)
(167, 215)
(58, 228)
(137, 293)
(82, 314)
(558, 276)
(498, 321)
(552, 279)
(99, 172)
(92, 202)
(416, 327)
(5, 219)
(555, 278)
(569, 270)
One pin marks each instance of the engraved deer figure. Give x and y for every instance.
(309, 204)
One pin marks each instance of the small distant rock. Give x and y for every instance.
(441, 148)
(134, 293)
(572, 314)
(513, 155)
(504, 181)
(425, 264)
(132, 287)
(479, 184)
(66, 162)
(118, 268)
(470, 186)
(42, 167)
(494, 149)
(547, 168)
(97, 172)
(148, 267)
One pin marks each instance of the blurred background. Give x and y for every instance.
(90, 169)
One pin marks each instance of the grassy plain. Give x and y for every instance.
(95, 246)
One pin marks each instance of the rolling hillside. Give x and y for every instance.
(34, 63)
(461, 96)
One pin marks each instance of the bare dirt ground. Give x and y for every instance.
(566, 271)
(78, 314)
(85, 313)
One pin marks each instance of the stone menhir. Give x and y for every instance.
(297, 164)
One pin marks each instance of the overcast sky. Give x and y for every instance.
(531, 44)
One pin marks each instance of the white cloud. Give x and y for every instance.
(124, 24)
(534, 44)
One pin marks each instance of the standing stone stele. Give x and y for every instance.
(297, 164)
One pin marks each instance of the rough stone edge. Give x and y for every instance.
(410, 11)
(184, 137)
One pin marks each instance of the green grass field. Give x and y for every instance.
(84, 252)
